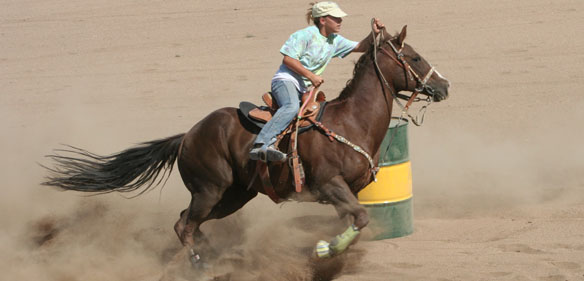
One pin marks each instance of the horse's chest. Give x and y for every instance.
(358, 178)
(360, 182)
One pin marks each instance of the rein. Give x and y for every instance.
(410, 74)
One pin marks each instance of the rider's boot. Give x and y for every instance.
(267, 153)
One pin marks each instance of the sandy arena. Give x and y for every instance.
(497, 168)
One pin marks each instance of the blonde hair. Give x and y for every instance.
(309, 17)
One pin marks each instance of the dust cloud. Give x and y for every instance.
(107, 237)
(480, 172)
(91, 241)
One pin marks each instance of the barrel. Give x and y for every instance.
(389, 200)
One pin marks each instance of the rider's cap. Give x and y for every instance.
(327, 8)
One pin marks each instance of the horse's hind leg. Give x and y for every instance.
(186, 227)
(201, 210)
(339, 194)
(232, 200)
(180, 225)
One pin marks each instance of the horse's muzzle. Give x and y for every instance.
(436, 92)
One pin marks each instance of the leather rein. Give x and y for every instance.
(421, 87)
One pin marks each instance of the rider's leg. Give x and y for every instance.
(288, 98)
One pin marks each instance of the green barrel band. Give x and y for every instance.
(391, 220)
(394, 148)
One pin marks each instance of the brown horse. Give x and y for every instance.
(213, 156)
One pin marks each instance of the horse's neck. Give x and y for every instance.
(366, 107)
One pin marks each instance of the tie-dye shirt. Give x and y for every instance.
(314, 51)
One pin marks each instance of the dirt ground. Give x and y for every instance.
(497, 168)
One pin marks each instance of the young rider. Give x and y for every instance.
(306, 54)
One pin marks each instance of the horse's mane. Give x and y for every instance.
(362, 62)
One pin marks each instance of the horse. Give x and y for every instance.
(213, 158)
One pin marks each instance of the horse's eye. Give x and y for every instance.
(416, 59)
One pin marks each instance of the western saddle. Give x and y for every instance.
(310, 107)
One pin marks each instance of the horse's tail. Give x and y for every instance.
(125, 171)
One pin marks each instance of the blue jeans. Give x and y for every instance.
(288, 98)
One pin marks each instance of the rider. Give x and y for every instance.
(306, 54)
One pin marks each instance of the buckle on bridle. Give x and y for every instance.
(420, 88)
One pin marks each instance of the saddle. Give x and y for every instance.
(312, 108)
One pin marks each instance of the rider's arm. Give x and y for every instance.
(297, 67)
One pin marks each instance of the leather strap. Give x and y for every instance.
(264, 173)
(412, 98)
(295, 162)
(330, 134)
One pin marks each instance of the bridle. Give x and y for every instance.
(421, 83)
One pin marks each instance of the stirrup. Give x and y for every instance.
(272, 154)
(255, 154)
(269, 154)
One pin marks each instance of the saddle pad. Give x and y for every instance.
(244, 108)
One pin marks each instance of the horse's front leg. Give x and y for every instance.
(339, 194)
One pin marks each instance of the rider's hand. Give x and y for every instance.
(316, 80)
(377, 26)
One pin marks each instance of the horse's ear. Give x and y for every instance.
(402, 35)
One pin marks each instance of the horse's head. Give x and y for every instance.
(419, 75)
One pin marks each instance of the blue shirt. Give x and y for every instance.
(314, 51)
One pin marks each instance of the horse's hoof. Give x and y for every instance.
(323, 249)
(195, 260)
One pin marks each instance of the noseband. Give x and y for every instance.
(410, 73)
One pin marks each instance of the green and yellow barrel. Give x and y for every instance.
(389, 200)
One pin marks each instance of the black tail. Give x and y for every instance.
(124, 171)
